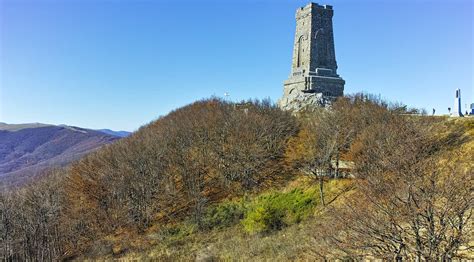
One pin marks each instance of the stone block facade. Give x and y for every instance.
(314, 66)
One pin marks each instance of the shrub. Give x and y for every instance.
(275, 210)
(223, 215)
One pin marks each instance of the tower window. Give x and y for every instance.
(298, 58)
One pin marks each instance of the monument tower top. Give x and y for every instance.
(314, 66)
(314, 41)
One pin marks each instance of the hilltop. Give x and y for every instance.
(289, 222)
(216, 180)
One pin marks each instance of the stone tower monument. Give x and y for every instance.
(313, 79)
(457, 104)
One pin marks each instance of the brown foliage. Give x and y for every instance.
(171, 168)
(406, 206)
(30, 222)
(328, 136)
(179, 164)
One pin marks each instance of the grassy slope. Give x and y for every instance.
(459, 133)
(183, 242)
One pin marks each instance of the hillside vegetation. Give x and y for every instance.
(216, 180)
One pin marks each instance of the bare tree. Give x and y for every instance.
(326, 135)
(30, 225)
(407, 206)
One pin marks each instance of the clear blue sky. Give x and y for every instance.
(120, 64)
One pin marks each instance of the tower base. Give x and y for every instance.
(313, 90)
(304, 101)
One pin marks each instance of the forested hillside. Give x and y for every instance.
(28, 149)
(216, 180)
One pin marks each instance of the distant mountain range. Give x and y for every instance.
(28, 149)
(114, 133)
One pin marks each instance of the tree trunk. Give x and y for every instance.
(321, 190)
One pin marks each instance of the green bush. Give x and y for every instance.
(275, 210)
(265, 213)
(223, 215)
